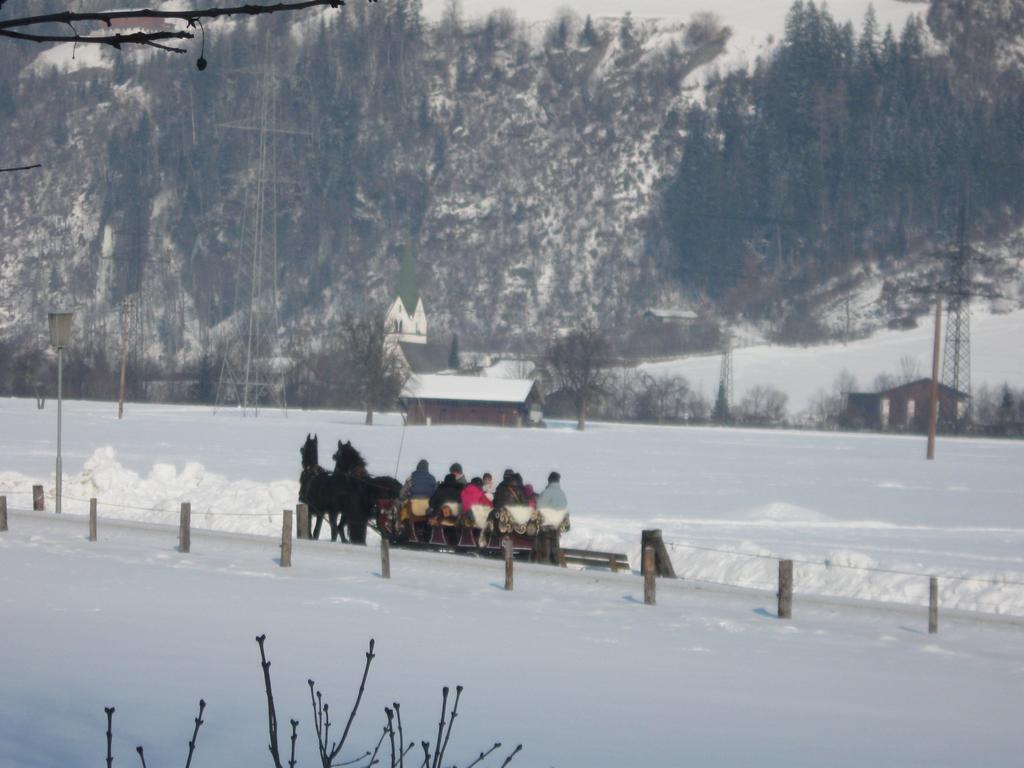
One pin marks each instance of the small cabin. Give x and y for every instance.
(448, 399)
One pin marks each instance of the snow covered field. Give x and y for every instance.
(828, 500)
(570, 663)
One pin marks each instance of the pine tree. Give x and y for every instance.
(589, 35)
(627, 32)
(721, 413)
(453, 354)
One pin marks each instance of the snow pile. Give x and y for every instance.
(240, 506)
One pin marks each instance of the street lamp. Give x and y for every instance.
(60, 337)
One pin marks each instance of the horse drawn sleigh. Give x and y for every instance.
(351, 500)
(478, 529)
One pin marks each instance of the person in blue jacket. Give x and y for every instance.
(553, 497)
(421, 484)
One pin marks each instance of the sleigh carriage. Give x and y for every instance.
(478, 529)
(351, 499)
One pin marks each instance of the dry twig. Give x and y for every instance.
(20, 27)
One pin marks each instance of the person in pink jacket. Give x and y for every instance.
(474, 494)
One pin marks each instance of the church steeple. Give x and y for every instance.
(406, 319)
(407, 289)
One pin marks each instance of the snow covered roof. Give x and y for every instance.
(470, 388)
(671, 314)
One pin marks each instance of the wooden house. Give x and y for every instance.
(440, 399)
(902, 408)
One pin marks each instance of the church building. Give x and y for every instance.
(406, 319)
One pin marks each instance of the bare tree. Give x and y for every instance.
(60, 27)
(763, 404)
(579, 363)
(80, 27)
(372, 367)
(662, 398)
(910, 369)
(329, 750)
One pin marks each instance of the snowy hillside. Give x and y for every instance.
(527, 171)
(804, 373)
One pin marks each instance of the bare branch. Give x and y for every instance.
(391, 733)
(455, 713)
(401, 740)
(15, 27)
(440, 727)
(295, 735)
(318, 722)
(20, 168)
(354, 760)
(271, 711)
(110, 733)
(355, 707)
(192, 742)
(514, 752)
(426, 754)
(373, 757)
(142, 756)
(484, 755)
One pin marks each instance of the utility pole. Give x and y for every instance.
(125, 319)
(933, 408)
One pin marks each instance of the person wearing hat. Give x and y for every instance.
(509, 492)
(553, 497)
(421, 484)
(455, 470)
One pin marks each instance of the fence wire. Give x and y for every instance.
(829, 566)
(672, 545)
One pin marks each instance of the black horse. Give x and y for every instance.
(317, 491)
(358, 493)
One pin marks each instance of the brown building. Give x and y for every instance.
(439, 399)
(902, 408)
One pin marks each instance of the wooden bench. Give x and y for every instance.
(589, 558)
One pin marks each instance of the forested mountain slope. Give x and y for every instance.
(541, 172)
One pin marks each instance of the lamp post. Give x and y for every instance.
(60, 337)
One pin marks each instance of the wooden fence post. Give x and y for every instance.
(662, 563)
(507, 546)
(785, 589)
(38, 500)
(385, 558)
(92, 519)
(933, 605)
(302, 520)
(648, 567)
(286, 539)
(185, 528)
(3, 513)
